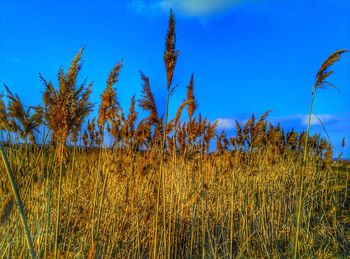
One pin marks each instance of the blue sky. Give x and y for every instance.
(248, 56)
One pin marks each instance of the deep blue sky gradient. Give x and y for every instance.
(247, 58)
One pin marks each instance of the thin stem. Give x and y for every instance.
(18, 201)
(58, 202)
(300, 202)
(162, 179)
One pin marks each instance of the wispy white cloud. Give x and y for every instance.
(318, 119)
(198, 7)
(225, 123)
(289, 121)
(302, 119)
(195, 8)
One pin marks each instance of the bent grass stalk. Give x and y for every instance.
(18, 201)
(321, 76)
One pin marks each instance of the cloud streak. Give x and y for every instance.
(198, 7)
(324, 118)
(191, 8)
(294, 120)
(301, 119)
(225, 123)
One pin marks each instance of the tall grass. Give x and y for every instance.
(64, 111)
(236, 210)
(155, 188)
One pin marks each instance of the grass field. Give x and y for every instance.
(129, 187)
(212, 206)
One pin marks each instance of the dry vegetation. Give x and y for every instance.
(156, 190)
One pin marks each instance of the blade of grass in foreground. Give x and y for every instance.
(18, 201)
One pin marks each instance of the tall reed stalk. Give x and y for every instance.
(321, 82)
(170, 57)
(59, 200)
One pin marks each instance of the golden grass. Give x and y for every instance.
(215, 206)
(156, 190)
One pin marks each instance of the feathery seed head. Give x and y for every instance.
(192, 105)
(170, 53)
(324, 73)
(68, 105)
(147, 101)
(109, 107)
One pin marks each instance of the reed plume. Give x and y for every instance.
(239, 135)
(66, 107)
(221, 143)
(192, 103)
(147, 101)
(182, 136)
(159, 132)
(328, 156)
(209, 134)
(170, 53)
(143, 133)
(4, 117)
(274, 135)
(179, 112)
(259, 134)
(94, 135)
(128, 130)
(324, 72)
(201, 125)
(109, 107)
(23, 121)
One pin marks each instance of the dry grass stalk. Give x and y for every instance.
(4, 117)
(321, 82)
(192, 103)
(18, 200)
(128, 130)
(324, 72)
(170, 53)
(68, 105)
(22, 121)
(147, 101)
(110, 109)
